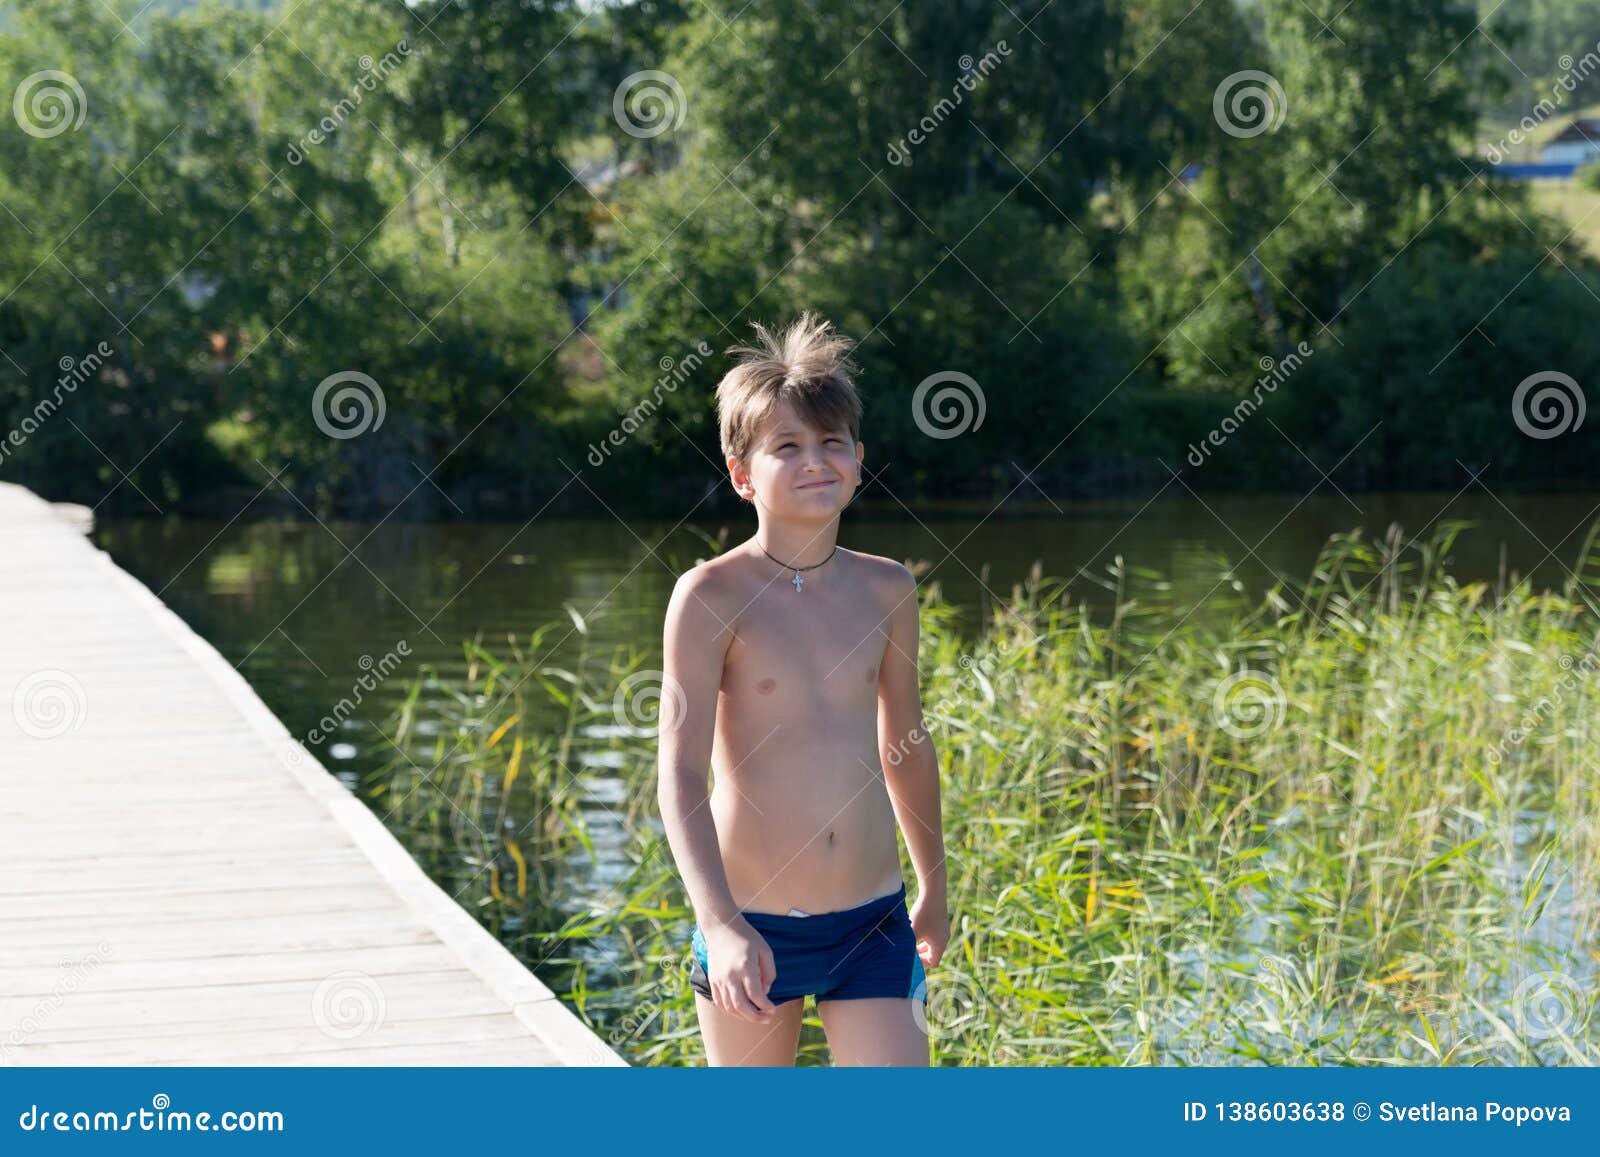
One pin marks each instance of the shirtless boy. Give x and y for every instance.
(795, 663)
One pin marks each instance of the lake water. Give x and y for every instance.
(304, 610)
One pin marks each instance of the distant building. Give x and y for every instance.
(1577, 144)
(1535, 171)
(599, 175)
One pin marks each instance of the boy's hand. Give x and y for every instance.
(930, 920)
(742, 969)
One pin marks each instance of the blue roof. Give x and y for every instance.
(1539, 171)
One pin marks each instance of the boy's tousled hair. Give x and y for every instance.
(806, 364)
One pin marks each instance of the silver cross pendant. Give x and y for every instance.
(798, 582)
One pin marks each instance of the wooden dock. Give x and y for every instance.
(180, 884)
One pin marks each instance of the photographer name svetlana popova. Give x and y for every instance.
(1289, 1112)
(1492, 1111)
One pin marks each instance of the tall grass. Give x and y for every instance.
(1353, 823)
(482, 787)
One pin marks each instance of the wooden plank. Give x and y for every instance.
(91, 776)
(306, 838)
(48, 819)
(271, 913)
(464, 1032)
(109, 974)
(216, 941)
(197, 900)
(124, 1013)
(179, 878)
(508, 1053)
(273, 865)
(97, 801)
(288, 907)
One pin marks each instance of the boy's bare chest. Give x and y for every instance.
(822, 650)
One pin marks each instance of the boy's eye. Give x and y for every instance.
(831, 439)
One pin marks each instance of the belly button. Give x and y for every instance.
(767, 686)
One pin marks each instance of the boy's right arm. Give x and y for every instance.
(695, 643)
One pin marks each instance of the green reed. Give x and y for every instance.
(1353, 822)
(481, 783)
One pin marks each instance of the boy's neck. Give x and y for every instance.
(798, 545)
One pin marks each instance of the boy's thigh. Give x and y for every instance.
(880, 1030)
(731, 1040)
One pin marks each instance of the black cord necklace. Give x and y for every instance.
(798, 581)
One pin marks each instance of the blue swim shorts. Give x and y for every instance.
(865, 951)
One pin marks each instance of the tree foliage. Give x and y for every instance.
(522, 220)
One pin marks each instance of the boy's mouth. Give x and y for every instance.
(815, 485)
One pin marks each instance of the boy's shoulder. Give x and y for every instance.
(721, 584)
(882, 572)
(719, 569)
(710, 577)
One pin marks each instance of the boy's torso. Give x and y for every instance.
(801, 808)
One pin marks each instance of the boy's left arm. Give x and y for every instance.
(911, 771)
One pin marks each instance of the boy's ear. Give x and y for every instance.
(740, 477)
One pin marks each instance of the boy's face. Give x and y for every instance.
(796, 472)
